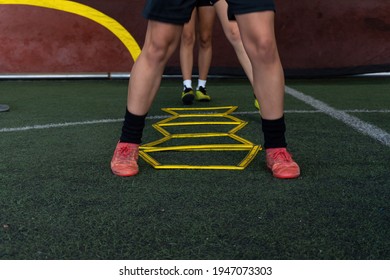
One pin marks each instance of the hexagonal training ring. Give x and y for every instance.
(200, 117)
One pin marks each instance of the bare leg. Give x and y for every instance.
(160, 42)
(258, 37)
(206, 17)
(187, 44)
(232, 33)
(257, 33)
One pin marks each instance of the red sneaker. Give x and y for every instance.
(124, 161)
(281, 163)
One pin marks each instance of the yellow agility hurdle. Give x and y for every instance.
(209, 112)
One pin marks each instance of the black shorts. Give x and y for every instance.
(169, 11)
(239, 7)
(242, 7)
(201, 3)
(179, 11)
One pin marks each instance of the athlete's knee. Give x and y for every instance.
(263, 49)
(233, 35)
(188, 39)
(158, 51)
(205, 42)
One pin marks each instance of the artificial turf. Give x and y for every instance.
(59, 200)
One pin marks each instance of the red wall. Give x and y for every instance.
(340, 36)
(314, 36)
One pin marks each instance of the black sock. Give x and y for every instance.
(274, 133)
(132, 128)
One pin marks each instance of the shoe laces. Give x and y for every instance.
(202, 90)
(281, 155)
(126, 153)
(187, 89)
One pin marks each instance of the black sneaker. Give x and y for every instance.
(187, 96)
(201, 94)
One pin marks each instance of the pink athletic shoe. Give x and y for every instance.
(282, 165)
(124, 160)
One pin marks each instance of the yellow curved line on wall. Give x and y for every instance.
(85, 11)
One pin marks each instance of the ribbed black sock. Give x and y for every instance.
(274, 131)
(132, 128)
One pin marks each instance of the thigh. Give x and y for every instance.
(189, 27)
(257, 31)
(169, 11)
(206, 18)
(161, 37)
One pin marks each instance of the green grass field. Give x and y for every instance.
(59, 200)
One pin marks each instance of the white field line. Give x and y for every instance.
(57, 125)
(92, 122)
(354, 122)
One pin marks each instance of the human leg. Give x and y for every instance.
(257, 32)
(187, 44)
(160, 42)
(166, 20)
(258, 36)
(205, 24)
(232, 33)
